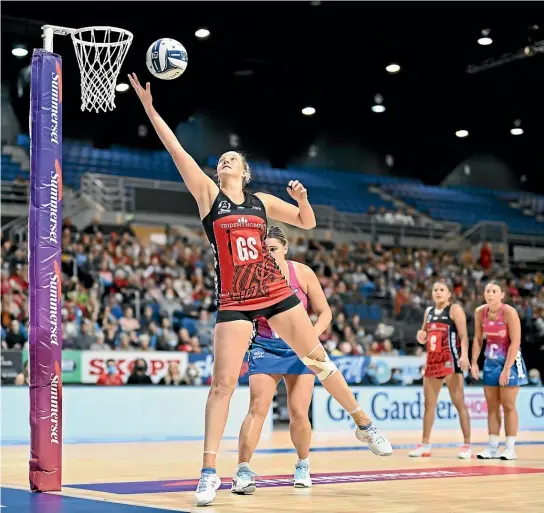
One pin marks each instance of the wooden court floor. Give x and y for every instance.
(156, 477)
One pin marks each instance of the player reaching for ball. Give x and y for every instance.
(270, 360)
(504, 368)
(250, 285)
(444, 331)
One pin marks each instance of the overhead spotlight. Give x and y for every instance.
(378, 107)
(517, 130)
(234, 141)
(19, 51)
(461, 133)
(392, 68)
(202, 33)
(121, 87)
(523, 178)
(308, 111)
(485, 40)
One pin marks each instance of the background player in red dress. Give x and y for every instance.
(444, 331)
(250, 285)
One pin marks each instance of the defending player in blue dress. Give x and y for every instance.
(270, 360)
(504, 368)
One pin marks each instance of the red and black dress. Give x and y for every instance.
(443, 344)
(248, 282)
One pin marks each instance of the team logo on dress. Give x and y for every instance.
(257, 354)
(224, 207)
(492, 323)
(502, 333)
(295, 290)
(433, 326)
(242, 220)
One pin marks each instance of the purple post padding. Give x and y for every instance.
(44, 254)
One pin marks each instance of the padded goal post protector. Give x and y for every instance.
(44, 253)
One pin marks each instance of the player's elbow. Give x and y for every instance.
(309, 225)
(326, 315)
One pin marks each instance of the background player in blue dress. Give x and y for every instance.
(504, 368)
(270, 360)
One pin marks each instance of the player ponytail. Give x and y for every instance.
(247, 177)
(275, 232)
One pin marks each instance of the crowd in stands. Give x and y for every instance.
(122, 293)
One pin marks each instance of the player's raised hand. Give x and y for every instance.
(297, 191)
(143, 94)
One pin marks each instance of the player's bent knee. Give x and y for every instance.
(320, 361)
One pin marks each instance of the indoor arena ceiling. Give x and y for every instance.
(265, 61)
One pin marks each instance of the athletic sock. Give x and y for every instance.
(244, 464)
(303, 462)
(494, 441)
(365, 427)
(510, 442)
(208, 470)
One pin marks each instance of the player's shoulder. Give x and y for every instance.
(480, 308)
(510, 310)
(456, 307)
(302, 268)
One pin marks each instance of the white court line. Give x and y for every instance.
(125, 503)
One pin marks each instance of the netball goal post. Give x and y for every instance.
(100, 53)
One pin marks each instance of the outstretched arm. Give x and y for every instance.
(302, 216)
(199, 184)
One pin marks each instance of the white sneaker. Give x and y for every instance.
(377, 443)
(491, 453)
(421, 451)
(205, 491)
(243, 482)
(302, 476)
(508, 454)
(465, 453)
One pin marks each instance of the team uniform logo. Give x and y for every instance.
(224, 207)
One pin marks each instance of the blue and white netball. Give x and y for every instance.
(166, 59)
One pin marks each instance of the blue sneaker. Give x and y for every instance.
(243, 482)
(302, 476)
